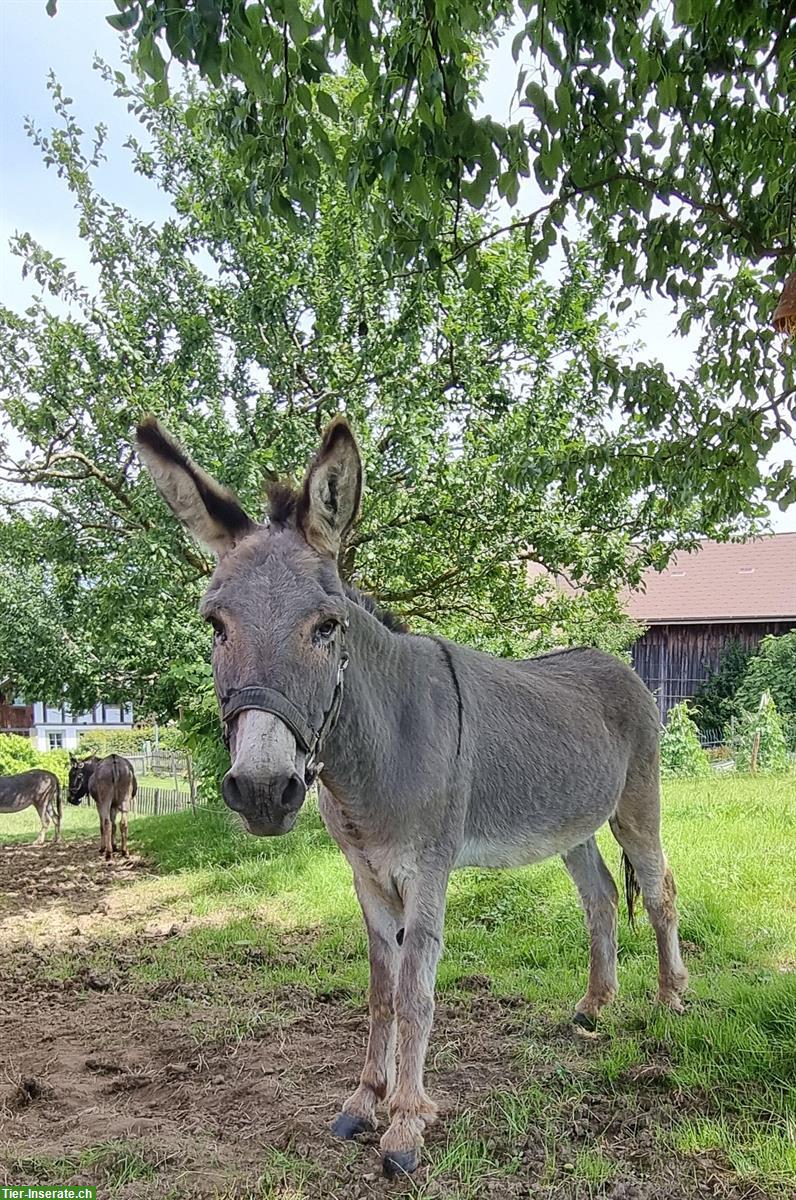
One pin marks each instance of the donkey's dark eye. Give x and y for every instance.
(219, 632)
(325, 631)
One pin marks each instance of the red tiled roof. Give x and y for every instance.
(722, 581)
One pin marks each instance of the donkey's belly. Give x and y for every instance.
(489, 851)
(14, 804)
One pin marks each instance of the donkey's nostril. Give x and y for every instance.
(293, 794)
(232, 793)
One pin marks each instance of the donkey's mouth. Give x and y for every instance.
(262, 827)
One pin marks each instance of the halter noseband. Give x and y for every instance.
(266, 699)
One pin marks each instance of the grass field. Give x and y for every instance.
(253, 947)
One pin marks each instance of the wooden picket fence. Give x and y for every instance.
(152, 801)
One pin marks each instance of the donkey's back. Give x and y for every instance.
(113, 781)
(556, 741)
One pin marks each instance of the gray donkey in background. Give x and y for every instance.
(435, 756)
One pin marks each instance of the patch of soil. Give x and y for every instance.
(57, 885)
(84, 1066)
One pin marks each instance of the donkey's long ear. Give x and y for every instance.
(329, 501)
(207, 510)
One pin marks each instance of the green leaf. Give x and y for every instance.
(124, 20)
(327, 105)
(299, 29)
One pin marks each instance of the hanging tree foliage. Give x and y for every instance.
(673, 136)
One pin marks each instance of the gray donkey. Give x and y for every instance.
(435, 756)
(39, 788)
(112, 785)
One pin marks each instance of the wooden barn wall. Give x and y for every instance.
(674, 659)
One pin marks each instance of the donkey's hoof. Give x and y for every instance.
(347, 1126)
(585, 1022)
(400, 1162)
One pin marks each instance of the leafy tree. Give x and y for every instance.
(773, 670)
(764, 726)
(713, 704)
(488, 443)
(682, 756)
(671, 136)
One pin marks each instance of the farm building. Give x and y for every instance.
(720, 593)
(55, 727)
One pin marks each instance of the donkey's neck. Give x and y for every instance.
(396, 738)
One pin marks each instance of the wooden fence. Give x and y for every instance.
(163, 764)
(152, 801)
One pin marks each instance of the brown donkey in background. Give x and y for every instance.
(435, 756)
(111, 784)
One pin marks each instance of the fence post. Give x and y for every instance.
(157, 801)
(191, 783)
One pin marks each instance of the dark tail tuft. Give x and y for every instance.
(632, 889)
(58, 800)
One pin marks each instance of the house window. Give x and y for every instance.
(56, 741)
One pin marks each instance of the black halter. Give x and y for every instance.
(266, 699)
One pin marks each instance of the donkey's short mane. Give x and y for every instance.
(282, 502)
(390, 620)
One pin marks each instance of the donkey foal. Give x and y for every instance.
(431, 756)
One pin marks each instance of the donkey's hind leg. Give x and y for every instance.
(636, 826)
(600, 899)
(44, 817)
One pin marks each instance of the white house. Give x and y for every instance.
(59, 729)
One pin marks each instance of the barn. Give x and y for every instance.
(719, 593)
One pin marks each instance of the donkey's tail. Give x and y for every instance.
(58, 801)
(632, 889)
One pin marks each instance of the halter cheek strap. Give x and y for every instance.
(266, 699)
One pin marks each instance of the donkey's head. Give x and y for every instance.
(278, 612)
(80, 770)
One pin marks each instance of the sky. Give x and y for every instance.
(33, 199)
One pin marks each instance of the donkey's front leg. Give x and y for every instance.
(411, 1110)
(383, 922)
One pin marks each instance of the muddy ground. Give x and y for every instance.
(141, 1087)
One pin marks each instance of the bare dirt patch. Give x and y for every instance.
(147, 1089)
(51, 889)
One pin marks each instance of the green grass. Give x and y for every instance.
(77, 821)
(731, 842)
(165, 782)
(282, 912)
(113, 1164)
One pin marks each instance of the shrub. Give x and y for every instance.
(129, 741)
(682, 757)
(772, 753)
(17, 754)
(773, 670)
(56, 761)
(714, 703)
